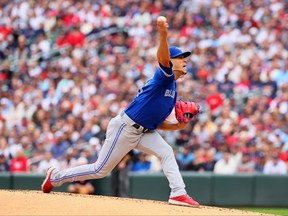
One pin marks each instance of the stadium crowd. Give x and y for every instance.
(68, 66)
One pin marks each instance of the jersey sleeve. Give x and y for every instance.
(164, 73)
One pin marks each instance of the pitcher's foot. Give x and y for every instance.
(183, 200)
(47, 186)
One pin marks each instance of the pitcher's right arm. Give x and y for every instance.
(163, 55)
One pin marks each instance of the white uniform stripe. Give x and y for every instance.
(166, 74)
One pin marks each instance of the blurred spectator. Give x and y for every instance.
(226, 165)
(22, 51)
(142, 165)
(182, 137)
(68, 161)
(197, 164)
(246, 164)
(275, 165)
(4, 147)
(226, 86)
(202, 132)
(5, 30)
(210, 161)
(218, 136)
(237, 152)
(89, 154)
(26, 145)
(214, 100)
(253, 150)
(260, 163)
(75, 37)
(47, 162)
(60, 146)
(184, 157)
(87, 131)
(4, 166)
(222, 148)
(6, 74)
(39, 150)
(19, 163)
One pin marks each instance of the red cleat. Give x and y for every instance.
(47, 186)
(183, 200)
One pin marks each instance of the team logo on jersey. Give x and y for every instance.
(169, 93)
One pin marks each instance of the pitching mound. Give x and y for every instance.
(36, 203)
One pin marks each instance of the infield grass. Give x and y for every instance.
(266, 210)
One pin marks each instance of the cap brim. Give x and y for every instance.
(184, 54)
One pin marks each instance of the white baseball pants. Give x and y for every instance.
(121, 137)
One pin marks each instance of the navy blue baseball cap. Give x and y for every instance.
(176, 51)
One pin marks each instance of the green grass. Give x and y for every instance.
(266, 210)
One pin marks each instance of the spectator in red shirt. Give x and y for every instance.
(71, 19)
(189, 28)
(214, 100)
(19, 163)
(6, 74)
(5, 31)
(73, 38)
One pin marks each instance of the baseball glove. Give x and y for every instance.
(186, 110)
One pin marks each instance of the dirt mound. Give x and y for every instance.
(15, 202)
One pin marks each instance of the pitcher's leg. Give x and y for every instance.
(153, 143)
(116, 146)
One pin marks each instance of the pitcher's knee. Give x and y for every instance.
(167, 153)
(101, 172)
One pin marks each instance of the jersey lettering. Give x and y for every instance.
(169, 93)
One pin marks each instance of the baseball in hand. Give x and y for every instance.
(161, 19)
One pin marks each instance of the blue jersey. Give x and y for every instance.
(156, 100)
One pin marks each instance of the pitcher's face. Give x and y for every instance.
(179, 66)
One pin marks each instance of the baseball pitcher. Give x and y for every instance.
(136, 126)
